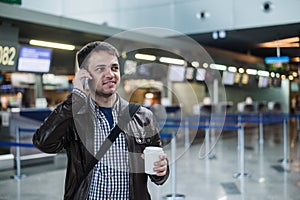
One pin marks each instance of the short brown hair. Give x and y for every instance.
(85, 51)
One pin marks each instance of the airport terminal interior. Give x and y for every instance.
(221, 78)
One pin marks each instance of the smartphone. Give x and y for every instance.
(85, 83)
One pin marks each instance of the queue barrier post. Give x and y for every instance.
(18, 146)
(261, 129)
(207, 139)
(239, 122)
(18, 157)
(285, 159)
(173, 157)
(186, 134)
(173, 195)
(241, 150)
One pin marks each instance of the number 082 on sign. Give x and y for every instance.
(7, 55)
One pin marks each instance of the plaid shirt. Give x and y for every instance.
(111, 174)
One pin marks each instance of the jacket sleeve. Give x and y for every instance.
(156, 141)
(51, 136)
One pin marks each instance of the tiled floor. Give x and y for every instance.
(211, 178)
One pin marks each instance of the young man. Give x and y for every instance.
(85, 118)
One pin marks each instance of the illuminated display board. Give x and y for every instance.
(34, 59)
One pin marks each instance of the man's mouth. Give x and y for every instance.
(109, 82)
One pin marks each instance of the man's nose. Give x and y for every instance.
(109, 72)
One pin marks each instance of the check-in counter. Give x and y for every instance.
(244, 107)
(274, 107)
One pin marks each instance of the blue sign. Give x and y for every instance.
(280, 59)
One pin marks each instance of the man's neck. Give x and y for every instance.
(106, 101)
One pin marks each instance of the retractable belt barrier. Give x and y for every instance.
(15, 144)
(235, 122)
(18, 145)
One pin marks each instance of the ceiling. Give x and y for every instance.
(60, 26)
(243, 41)
(246, 40)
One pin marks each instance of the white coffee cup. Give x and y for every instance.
(151, 155)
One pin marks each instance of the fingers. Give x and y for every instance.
(83, 73)
(161, 166)
(79, 77)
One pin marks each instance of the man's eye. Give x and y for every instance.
(115, 68)
(101, 69)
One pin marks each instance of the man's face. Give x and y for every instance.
(105, 70)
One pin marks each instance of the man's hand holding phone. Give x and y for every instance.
(81, 79)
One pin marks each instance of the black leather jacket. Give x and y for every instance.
(70, 127)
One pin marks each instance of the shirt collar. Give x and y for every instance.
(94, 106)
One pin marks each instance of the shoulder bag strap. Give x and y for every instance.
(133, 108)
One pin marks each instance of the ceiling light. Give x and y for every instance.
(205, 65)
(149, 95)
(251, 71)
(272, 74)
(214, 35)
(222, 34)
(291, 77)
(295, 74)
(52, 45)
(277, 75)
(124, 54)
(195, 64)
(218, 34)
(218, 67)
(241, 70)
(232, 69)
(145, 57)
(295, 59)
(289, 40)
(263, 73)
(284, 43)
(172, 61)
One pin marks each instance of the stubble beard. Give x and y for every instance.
(105, 95)
(101, 93)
